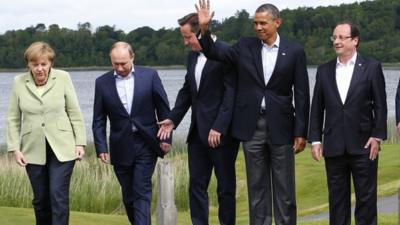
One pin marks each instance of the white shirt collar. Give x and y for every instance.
(116, 75)
(276, 43)
(352, 61)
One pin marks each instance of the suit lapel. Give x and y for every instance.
(51, 81)
(204, 73)
(256, 51)
(30, 85)
(356, 77)
(280, 58)
(137, 88)
(113, 91)
(192, 71)
(332, 80)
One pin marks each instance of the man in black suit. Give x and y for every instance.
(349, 109)
(271, 70)
(398, 108)
(209, 89)
(130, 97)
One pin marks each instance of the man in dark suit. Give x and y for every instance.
(349, 108)
(209, 89)
(271, 70)
(398, 108)
(130, 97)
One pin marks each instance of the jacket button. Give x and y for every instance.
(42, 124)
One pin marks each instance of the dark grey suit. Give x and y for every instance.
(346, 128)
(268, 134)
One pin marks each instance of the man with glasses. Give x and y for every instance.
(349, 109)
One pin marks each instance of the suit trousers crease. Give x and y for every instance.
(50, 185)
(270, 178)
(202, 160)
(135, 181)
(363, 171)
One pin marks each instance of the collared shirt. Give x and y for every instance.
(125, 89)
(344, 73)
(201, 62)
(269, 56)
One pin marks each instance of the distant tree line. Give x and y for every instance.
(379, 21)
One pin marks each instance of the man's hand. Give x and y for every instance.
(166, 127)
(398, 128)
(316, 152)
(203, 12)
(105, 158)
(214, 138)
(374, 144)
(165, 147)
(19, 157)
(79, 152)
(299, 144)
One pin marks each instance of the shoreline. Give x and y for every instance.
(96, 68)
(386, 66)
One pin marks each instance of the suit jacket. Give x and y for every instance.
(150, 104)
(348, 126)
(55, 115)
(212, 104)
(398, 104)
(284, 121)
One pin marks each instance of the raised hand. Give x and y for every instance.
(166, 127)
(203, 12)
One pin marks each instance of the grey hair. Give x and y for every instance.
(123, 45)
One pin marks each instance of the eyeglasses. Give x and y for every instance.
(341, 38)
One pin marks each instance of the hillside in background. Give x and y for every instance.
(87, 46)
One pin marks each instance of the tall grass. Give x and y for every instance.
(94, 187)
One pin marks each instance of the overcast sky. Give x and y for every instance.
(125, 14)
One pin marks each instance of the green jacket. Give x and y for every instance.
(55, 116)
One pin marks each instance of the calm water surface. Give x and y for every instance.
(172, 80)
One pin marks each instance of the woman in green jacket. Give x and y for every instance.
(46, 132)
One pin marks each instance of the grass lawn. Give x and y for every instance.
(18, 216)
(310, 184)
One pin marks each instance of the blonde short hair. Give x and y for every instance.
(37, 50)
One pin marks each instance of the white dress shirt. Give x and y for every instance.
(201, 62)
(344, 73)
(125, 88)
(269, 56)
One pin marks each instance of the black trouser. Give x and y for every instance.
(50, 185)
(135, 181)
(339, 171)
(202, 159)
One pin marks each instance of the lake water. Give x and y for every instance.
(172, 80)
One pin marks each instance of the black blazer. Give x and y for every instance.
(212, 104)
(290, 73)
(149, 101)
(398, 104)
(348, 126)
